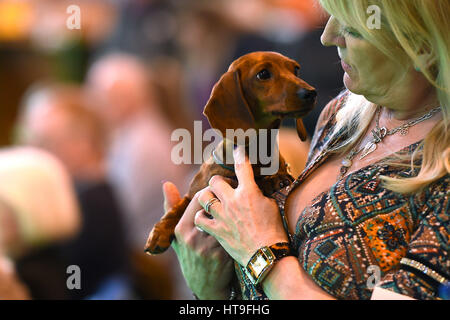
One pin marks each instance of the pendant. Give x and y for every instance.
(371, 146)
(368, 149)
(346, 163)
(379, 134)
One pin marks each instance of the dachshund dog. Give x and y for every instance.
(257, 91)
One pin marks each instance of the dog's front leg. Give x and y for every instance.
(163, 232)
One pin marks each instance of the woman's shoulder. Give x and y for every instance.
(325, 122)
(329, 111)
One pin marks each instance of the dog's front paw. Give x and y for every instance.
(159, 240)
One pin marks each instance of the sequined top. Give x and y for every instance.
(354, 236)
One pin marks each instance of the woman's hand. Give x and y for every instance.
(244, 220)
(207, 268)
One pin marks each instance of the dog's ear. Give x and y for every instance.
(227, 107)
(301, 130)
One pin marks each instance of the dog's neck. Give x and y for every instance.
(223, 153)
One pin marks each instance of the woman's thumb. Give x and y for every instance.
(171, 195)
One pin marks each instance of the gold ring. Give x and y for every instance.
(210, 203)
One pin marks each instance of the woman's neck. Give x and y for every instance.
(408, 100)
(409, 111)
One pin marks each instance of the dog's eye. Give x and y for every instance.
(263, 75)
(297, 72)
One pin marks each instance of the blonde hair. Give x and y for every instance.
(409, 27)
(37, 188)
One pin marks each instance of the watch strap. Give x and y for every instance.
(280, 249)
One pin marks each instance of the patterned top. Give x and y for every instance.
(354, 235)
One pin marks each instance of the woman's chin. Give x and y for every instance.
(350, 84)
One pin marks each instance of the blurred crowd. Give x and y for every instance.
(86, 117)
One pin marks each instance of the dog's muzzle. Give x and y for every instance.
(307, 96)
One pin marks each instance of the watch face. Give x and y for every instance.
(259, 264)
(263, 260)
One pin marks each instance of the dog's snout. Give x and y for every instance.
(306, 95)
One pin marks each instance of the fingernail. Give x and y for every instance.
(235, 150)
(238, 155)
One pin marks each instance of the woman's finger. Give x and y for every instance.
(171, 195)
(204, 223)
(186, 222)
(211, 208)
(243, 168)
(221, 187)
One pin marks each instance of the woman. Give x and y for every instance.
(377, 171)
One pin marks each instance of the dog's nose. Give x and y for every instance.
(307, 95)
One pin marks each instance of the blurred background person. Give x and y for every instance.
(38, 211)
(54, 117)
(139, 154)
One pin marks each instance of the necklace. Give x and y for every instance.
(378, 135)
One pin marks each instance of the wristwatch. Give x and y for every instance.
(264, 259)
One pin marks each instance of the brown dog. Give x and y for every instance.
(257, 91)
